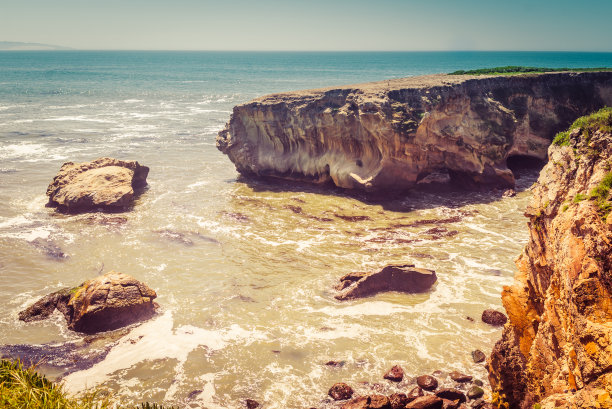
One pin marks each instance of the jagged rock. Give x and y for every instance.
(106, 183)
(427, 382)
(395, 374)
(340, 391)
(493, 317)
(426, 402)
(559, 336)
(391, 134)
(451, 394)
(459, 377)
(404, 278)
(398, 400)
(417, 392)
(108, 302)
(478, 356)
(475, 392)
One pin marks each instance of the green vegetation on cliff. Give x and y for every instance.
(517, 69)
(24, 388)
(597, 121)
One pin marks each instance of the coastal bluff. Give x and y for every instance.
(391, 135)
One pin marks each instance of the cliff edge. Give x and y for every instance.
(390, 135)
(556, 350)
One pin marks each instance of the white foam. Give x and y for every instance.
(154, 340)
(79, 118)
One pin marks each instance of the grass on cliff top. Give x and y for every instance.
(24, 388)
(517, 69)
(597, 121)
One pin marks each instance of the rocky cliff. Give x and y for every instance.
(392, 134)
(556, 350)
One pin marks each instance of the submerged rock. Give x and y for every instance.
(478, 356)
(107, 184)
(403, 278)
(108, 302)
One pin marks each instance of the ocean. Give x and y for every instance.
(244, 275)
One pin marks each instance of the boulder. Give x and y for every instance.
(106, 183)
(395, 374)
(426, 402)
(427, 382)
(340, 391)
(416, 392)
(252, 404)
(398, 400)
(105, 303)
(368, 402)
(475, 392)
(493, 317)
(403, 278)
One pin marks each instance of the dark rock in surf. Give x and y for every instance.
(398, 400)
(416, 392)
(478, 356)
(426, 402)
(403, 278)
(368, 402)
(340, 391)
(451, 394)
(475, 392)
(427, 382)
(459, 377)
(251, 404)
(495, 318)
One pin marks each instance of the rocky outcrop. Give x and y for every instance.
(106, 184)
(108, 302)
(556, 349)
(403, 278)
(390, 135)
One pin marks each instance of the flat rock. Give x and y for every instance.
(368, 402)
(105, 303)
(459, 377)
(493, 317)
(340, 391)
(395, 374)
(403, 278)
(451, 394)
(105, 183)
(427, 382)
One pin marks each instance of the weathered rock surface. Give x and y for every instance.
(427, 382)
(459, 377)
(108, 302)
(426, 402)
(368, 402)
(395, 374)
(403, 278)
(492, 317)
(389, 135)
(556, 349)
(106, 183)
(340, 391)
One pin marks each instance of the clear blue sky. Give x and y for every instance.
(311, 24)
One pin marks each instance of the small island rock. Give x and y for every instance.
(427, 382)
(478, 356)
(404, 278)
(395, 374)
(106, 183)
(493, 317)
(340, 391)
(105, 303)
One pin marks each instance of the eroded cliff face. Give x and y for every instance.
(556, 349)
(389, 135)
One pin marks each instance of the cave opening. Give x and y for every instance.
(524, 164)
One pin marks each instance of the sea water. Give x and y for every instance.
(243, 269)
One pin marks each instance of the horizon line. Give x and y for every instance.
(308, 51)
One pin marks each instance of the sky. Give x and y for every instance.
(307, 25)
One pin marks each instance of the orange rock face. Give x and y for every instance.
(556, 349)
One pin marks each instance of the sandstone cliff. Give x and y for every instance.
(556, 350)
(392, 134)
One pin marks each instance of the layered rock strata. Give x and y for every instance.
(390, 135)
(105, 183)
(556, 350)
(108, 302)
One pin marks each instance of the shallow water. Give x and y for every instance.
(244, 270)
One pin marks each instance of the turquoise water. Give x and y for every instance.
(243, 271)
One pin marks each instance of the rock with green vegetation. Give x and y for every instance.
(105, 303)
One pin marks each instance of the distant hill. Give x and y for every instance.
(15, 45)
